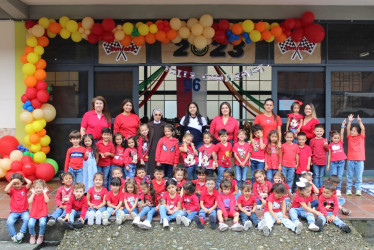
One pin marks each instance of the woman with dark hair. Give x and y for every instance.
(268, 120)
(96, 119)
(225, 121)
(127, 123)
(309, 122)
(194, 123)
(156, 131)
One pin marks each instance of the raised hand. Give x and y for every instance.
(351, 118)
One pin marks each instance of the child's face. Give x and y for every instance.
(336, 138)
(106, 136)
(274, 138)
(227, 176)
(117, 173)
(67, 180)
(319, 132)
(327, 193)
(98, 181)
(296, 109)
(226, 190)
(207, 139)
(168, 133)
(118, 140)
(258, 133)
(301, 140)
(289, 137)
(179, 176)
(210, 185)
(145, 189)
(75, 141)
(144, 130)
(277, 179)
(247, 192)
(242, 136)
(278, 195)
(38, 189)
(354, 131)
(159, 175)
(306, 192)
(201, 177)
(78, 193)
(309, 178)
(130, 143)
(223, 138)
(130, 188)
(172, 189)
(187, 140)
(260, 178)
(17, 184)
(115, 188)
(140, 173)
(87, 142)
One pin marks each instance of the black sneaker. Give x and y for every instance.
(319, 223)
(345, 228)
(197, 220)
(68, 225)
(78, 224)
(212, 222)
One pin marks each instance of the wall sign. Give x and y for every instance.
(116, 53)
(291, 52)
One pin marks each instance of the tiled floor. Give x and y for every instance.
(362, 206)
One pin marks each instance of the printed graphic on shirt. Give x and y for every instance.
(134, 156)
(145, 149)
(190, 158)
(226, 159)
(76, 155)
(226, 203)
(256, 146)
(166, 149)
(187, 201)
(273, 150)
(329, 205)
(148, 200)
(97, 197)
(248, 207)
(207, 156)
(276, 205)
(171, 204)
(262, 190)
(336, 148)
(294, 123)
(242, 153)
(131, 200)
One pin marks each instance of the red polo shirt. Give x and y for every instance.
(94, 124)
(102, 148)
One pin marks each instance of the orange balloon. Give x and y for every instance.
(266, 35)
(41, 64)
(237, 29)
(160, 35)
(281, 38)
(165, 41)
(43, 41)
(28, 49)
(40, 74)
(30, 81)
(80, 25)
(149, 23)
(54, 28)
(42, 132)
(276, 31)
(171, 34)
(260, 26)
(34, 138)
(159, 22)
(126, 41)
(150, 38)
(138, 40)
(237, 42)
(45, 149)
(24, 58)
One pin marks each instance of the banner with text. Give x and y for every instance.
(116, 53)
(291, 52)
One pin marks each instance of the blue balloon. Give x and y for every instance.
(245, 35)
(237, 37)
(28, 103)
(228, 32)
(30, 108)
(248, 40)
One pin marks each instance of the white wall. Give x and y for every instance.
(7, 75)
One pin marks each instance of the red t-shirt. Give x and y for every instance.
(94, 124)
(148, 198)
(289, 152)
(295, 120)
(274, 158)
(97, 197)
(308, 128)
(231, 126)
(241, 151)
(298, 199)
(130, 156)
(130, 198)
(258, 153)
(259, 189)
(63, 195)
(328, 205)
(223, 154)
(127, 125)
(305, 153)
(159, 188)
(318, 151)
(190, 202)
(337, 151)
(143, 148)
(189, 157)
(102, 148)
(114, 199)
(206, 157)
(247, 205)
(209, 199)
(75, 157)
(78, 205)
(172, 203)
(18, 200)
(118, 156)
(39, 207)
(277, 203)
(233, 185)
(268, 123)
(199, 187)
(356, 148)
(180, 186)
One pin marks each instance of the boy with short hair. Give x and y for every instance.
(222, 154)
(117, 172)
(75, 157)
(19, 206)
(141, 175)
(305, 157)
(77, 207)
(159, 183)
(106, 153)
(190, 204)
(200, 181)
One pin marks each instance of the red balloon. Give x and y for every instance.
(289, 23)
(215, 26)
(36, 103)
(41, 85)
(8, 144)
(24, 98)
(31, 93)
(43, 96)
(28, 169)
(26, 159)
(108, 37)
(97, 29)
(307, 18)
(8, 175)
(16, 166)
(224, 25)
(287, 32)
(92, 38)
(315, 33)
(108, 24)
(45, 171)
(31, 177)
(220, 36)
(297, 35)
(29, 24)
(298, 23)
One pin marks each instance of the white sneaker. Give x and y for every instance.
(146, 225)
(98, 217)
(223, 227)
(51, 222)
(133, 215)
(298, 227)
(178, 219)
(104, 217)
(126, 217)
(186, 221)
(313, 227)
(237, 227)
(136, 220)
(358, 192)
(338, 193)
(247, 225)
(19, 236)
(349, 192)
(121, 215)
(90, 218)
(165, 222)
(266, 230)
(261, 224)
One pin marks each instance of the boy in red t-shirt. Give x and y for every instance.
(77, 207)
(247, 205)
(106, 153)
(200, 181)
(305, 158)
(222, 155)
(258, 145)
(159, 183)
(190, 204)
(19, 207)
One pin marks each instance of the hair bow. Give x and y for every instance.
(299, 102)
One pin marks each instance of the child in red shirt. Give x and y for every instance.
(119, 151)
(200, 181)
(131, 198)
(226, 208)
(171, 203)
(295, 119)
(279, 178)
(305, 158)
(189, 156)
(106, 153)
(290, 157)
(258, 143)
(114, 201)
(190, 204)
(143, 144)
(242, 153)
(180, 175)
(89, 165)
(159, 183)
(39, 210)
(261, 187)
(77, 207)
(19, 207)
(141, 175)
(206, 154)
(130, 157)
(222, 155)
(273, 157)
(117, 172)
(96, 200)
(247, 205)
(229, 175)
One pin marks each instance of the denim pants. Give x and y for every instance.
(105, 170)
(256, 165)
(77, 174)
(75, 214)
(168, 170)
(102, 209)
(42, 225)
(59, 212)
(13, 217)
(270, 220)
(270, 173)
(241, 175)
(164, 214)
(110, 210)
(354, 168)
(337, 168)
(253, 217)
(135, 210)
(221, 170)
(150, 212)
(337, 221)
(190, 215)
(297, 212)
(319, 172)
(289, 173)
(191, 172)
(131, 172)
(202, 214)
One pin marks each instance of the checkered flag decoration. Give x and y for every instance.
(114, 47)
(290, 45)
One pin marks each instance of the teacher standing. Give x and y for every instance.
(309, 122)
(127, 123)
(156, 131)
(225, 121)
(268, 120)
(96, 119)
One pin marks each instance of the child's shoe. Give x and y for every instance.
(319, 224)
(247, 225)
(68, 225)
(51, 222)
(237, 227)
(266, 230)
(298, 227)
(19, 236)
(133, 215)
(185, 221)
(14, 239)
(32, 239)
(345, 228)
(349, 192)
(223, 227)
(212, 222)
(60, 220)
(40, 239)
(145, 225)
(178, 219)
(313, 227)
(78, 224)
(105, 218)
(165, 222)
(338, 193)
(120, 217)
(199, 221)
(90, 218)
(98, 217)
(344, 211)
(136, 220)
(358, 192)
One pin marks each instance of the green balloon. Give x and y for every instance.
(26, 153)
(31, 155)
(53, 163)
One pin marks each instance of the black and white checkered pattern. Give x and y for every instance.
(289, 43)
(132, 49)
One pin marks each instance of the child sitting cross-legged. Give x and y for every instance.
(247, 205)
(190, 204)
(149, 204)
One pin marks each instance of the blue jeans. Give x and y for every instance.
(131, 172)
(202, 214)
(42, 225)
(110, 210)
(135, 210)
(191, 172)
(270, 220)
(297, 212)
(164, 214)
(314, 204)
(75, 214)
(105, 171)
(337, 221)
(168, 170)
(190, 215)
(220, 170)
(355, 168)
(337, 168)
(241, 174)
(102, 209)
(253, 217)
(289, 173)
(77, 174)
(319, 172)
(149, 211)
(59, 212)
(270, 173)
(13, 217)
(256, 165)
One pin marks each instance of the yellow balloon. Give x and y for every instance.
(40, 157)
(43, 122)
(128, 28)
(15, 155)
(248, 26)
(50, 34)
(39, 50)
(45, 140)
(191, 39)
(274, 24)
(27, 139)
(63, 20)
(32, 41)
(64, 33)
(37, 30)
(87, 22)
(44, 22)
(270, 40)
(178, 39)
(255, 35)
(184, 32)
(119, 35)
(2, 173)
(76, 36)
(29, 128)
(267, 25)
(191, 22)
(138, 24)
(197, 29)
(35, 147)
(37, 125)
(71, 25)
(37, 114)
(26, 117)
(208, 32)
(143, 29)
(153, 28)
(32, 57)
(200, 42)
(28, 69)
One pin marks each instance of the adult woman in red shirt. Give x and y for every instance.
(268, 120)
(127, 123)
(96, 119)
(309, 122)
(225, 121)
